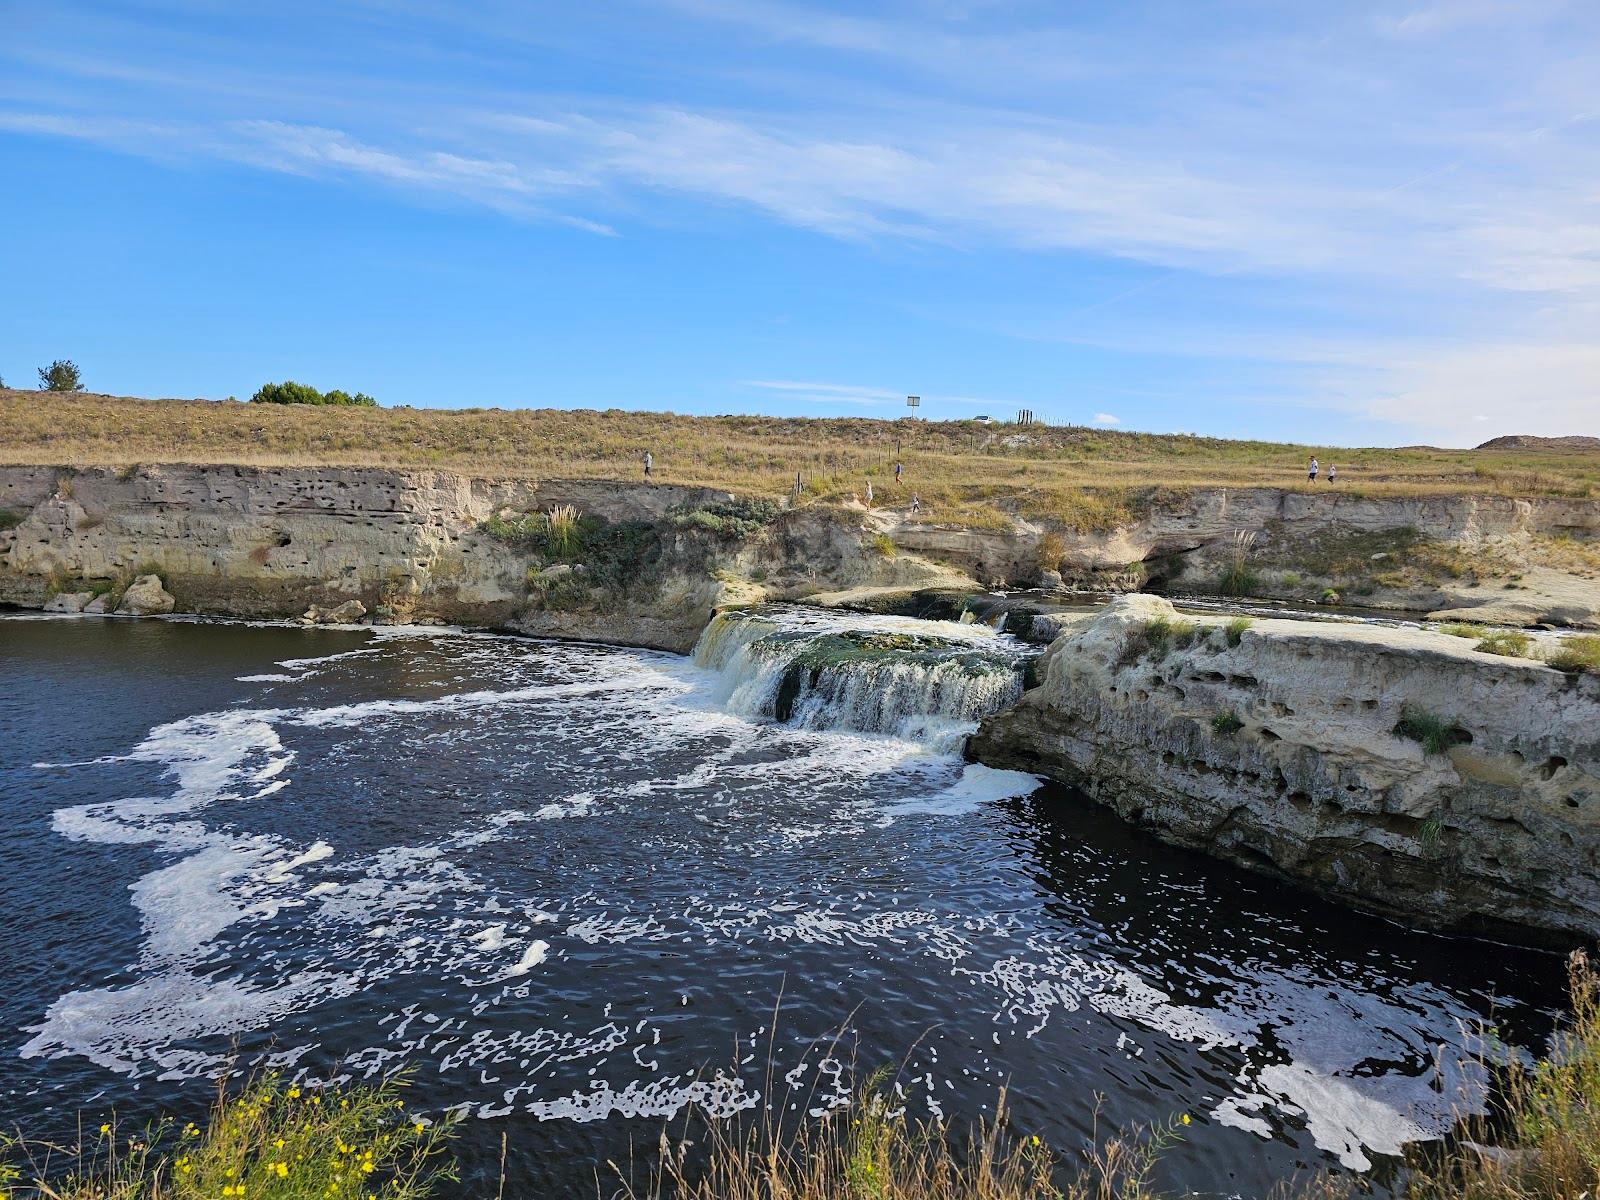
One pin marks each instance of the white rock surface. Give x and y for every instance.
(68, 602)
(146, 597)
(1499, 833)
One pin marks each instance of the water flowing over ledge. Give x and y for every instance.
(923, 681)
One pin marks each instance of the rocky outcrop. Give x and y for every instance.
(409, 546)
(1394, 769)
(146, 597)
(68, 602)
(1503, 559)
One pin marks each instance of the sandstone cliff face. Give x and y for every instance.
(1499, 833)
(259, 542)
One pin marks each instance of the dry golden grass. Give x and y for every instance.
(962, 472)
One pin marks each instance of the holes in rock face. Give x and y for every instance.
(282, 539)
(1551, 765)
(1279, 782)
(1566, 839)
(1140, 695)
(1210, 676)
(1268, 735)
(1489, 860)
(1168, 759)
(1368, 705)
(1281, 710)
(1300, 801)
(1244, 681)
(1570, 801)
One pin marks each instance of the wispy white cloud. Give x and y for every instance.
(829, 393)
(1106, 419)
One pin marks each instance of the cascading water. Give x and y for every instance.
(925, 681)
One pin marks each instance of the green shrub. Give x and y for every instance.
(1225, 723)
(1234, 629)
(1157, 638)
(1462, 629)
(1577, 654)
(732, 519)
(1237, 579)
(883, 544)
(290, 392)
(1435, 734)
(1506, 642)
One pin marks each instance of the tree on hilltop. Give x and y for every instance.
(61, 376)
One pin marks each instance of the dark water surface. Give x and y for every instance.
(566, 887)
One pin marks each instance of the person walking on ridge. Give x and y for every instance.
(1333, 472)
(897, 470)
(649, 461)
(916, 504)
(1311, 472)
(869, 493)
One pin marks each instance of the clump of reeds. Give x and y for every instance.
(871, 1150)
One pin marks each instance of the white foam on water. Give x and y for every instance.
(977, 786)
(531, 958)
(319, 851)
(490, 938)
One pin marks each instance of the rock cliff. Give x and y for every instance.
(1398, 770)
(410, 545)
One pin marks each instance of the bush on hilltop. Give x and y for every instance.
(290, 392)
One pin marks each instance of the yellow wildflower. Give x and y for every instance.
(1185, 1118)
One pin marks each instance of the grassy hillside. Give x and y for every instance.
(961, 467)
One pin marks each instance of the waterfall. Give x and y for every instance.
(924, 681)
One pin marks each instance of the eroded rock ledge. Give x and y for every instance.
(1283, 746)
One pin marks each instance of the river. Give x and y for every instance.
(574, 889)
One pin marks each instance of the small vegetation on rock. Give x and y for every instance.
(1506, 642)
(1156, 638)
(1234, 629)
(883, 545)
(290, 392)
(1049, 552)
(1435, 733)
(1462, 629)
(1576, 654)
(1225, 723)
(9, 519)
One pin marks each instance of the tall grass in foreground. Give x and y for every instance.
(872, 1151)
(270, 1141)
(1540, 1140)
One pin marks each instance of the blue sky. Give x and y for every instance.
(1346, 223)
